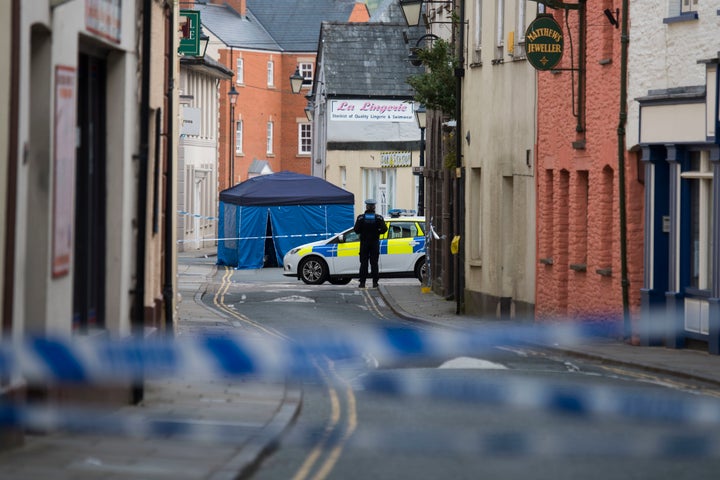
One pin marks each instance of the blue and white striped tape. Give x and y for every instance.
(85, 360)
(196, 215)
(525, 443)
(81, 360)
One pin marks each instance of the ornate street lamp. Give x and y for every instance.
(421, 117)
(411, 9)
(204, 40)
(296, 81)
(232, 96)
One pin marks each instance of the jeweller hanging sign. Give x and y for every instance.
(544, 42)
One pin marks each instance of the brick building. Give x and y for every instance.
(579, 270)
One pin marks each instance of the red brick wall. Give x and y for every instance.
(577, 195)
(257, 103)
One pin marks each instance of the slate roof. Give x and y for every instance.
(235, 30)
(295, 24)
(368, 60)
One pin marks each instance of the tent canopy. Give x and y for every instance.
(269, 215)
(286, 188)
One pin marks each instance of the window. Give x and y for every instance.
(500, 28)
(306, 70)
(477, 37)
(402, 230)
(379, 183)
(343, 177)
(271, 73)
(240, 72)
(304, 139)
(270, 137)
(699, 207)
(687, 6)
(238, 137)
(521, 26)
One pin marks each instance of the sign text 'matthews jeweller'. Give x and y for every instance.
(544, 42)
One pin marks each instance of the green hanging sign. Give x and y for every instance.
(189, 32)
(544, 42)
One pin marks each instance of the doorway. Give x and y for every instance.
(91, 196)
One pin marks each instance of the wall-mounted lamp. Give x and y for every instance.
(296, 81)
(411, 9)
(309, 111)
(613, 18)
(204, 40)
(413, 57)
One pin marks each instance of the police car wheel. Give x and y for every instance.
(421, 269)
(313, 271)
(340, 280)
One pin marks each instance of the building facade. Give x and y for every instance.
(263, 50)
(579, 216)
(672, 124)
(88, 230)
(197, 193)
(366, 135)
(499, 160)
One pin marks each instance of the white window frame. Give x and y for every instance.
(477, 40)
(240, 71)
(304, 138)
(500, 25)
(306, 70)
(380, 184)
(703, 252)
(520, 29)
(688, 6)
(270, 134)
(238, 137)
(270, 73)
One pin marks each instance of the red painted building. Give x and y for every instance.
(269, 130)
(579, 271)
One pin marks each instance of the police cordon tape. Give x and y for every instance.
(81, 360)
(468, 440)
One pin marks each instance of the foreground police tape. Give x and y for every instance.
(468, 440)
(87, 360)
(82, 360)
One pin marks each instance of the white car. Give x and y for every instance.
(337, 259)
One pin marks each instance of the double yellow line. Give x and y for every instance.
(324, 455)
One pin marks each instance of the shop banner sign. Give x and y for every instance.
(544, 42)
(372, 111)
(189, 33)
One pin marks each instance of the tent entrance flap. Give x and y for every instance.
(270, 260)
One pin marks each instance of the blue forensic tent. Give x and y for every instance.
(288, 208)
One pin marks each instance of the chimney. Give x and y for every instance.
(239, 6)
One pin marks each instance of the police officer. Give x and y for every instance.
(369, 226)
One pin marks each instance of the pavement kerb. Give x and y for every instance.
(577, 352)
(251, 455)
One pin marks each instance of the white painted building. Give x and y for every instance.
(198, 151)
(672, 123)
(499, 117)
(88, 225)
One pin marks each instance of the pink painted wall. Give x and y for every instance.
(577, 209)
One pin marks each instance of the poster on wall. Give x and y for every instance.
(64, 169)
(102, 17)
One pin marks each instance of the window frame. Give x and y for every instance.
(240, 71)
(270, 73)
(270, 132)
(304, 138)
(238, 137)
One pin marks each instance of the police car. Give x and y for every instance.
(337, 259)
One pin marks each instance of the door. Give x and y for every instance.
(90, 203)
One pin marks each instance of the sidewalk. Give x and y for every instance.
(252, 416)
(409, 302)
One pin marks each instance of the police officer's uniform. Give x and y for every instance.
(369, 226)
